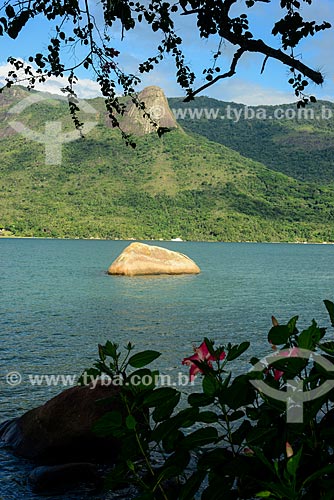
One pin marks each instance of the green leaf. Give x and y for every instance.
(254, 360)
(279, 334)
(210, 459)
(159, 396)
(292, 325)
(327, 347)
(240, 434)
(220, 488)
(200, 399)
(102, 354)
(310, 337)
(253, 413)
(258, 435)
(330, 308)
(328, 469)
(210, 385)
(167, 473)
(236, 415)
(130, 464)
(172, 440)
(9, 11)
(293, 463)
(259, 453)
(137, 378)
(263, 494)
(143, 358)
(107, 424)
(130, 422)
(237, 350)
(192, 485)
(110, 349)
(207, 417)
(165, 410)
(239, 393)
(185, 418)
(201, 437)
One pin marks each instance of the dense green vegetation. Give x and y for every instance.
(297, 142)
(181, 185)
(265, 433)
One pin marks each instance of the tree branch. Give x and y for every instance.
(262, 48)
(228, 74)
(226, 6)
(264, 64)
(247, 45)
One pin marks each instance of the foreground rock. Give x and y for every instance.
(57, 479)
(60, 431)
(141, 259)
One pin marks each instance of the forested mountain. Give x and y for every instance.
(181, 185)
(296, 142)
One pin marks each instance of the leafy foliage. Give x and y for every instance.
(231, 440)
(74, 24)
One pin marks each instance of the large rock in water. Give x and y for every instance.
(61, 430)
(141, 259)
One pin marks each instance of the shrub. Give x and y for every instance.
(267, 433)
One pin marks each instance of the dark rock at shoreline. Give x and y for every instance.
(60, 431)
(57, 479)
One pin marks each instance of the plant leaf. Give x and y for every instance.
(237, 350)
(330, 308)
(143, 358)
(279, 334)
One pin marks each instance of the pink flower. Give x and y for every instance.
(288, 353)
(202, 355)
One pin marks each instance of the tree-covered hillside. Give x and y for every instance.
(297, 142)
(181, 185)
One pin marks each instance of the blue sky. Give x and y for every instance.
(248, 86)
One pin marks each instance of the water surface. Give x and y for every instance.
(57, 303)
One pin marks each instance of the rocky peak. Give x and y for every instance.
(156, 105)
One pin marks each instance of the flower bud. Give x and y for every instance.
(288, 449)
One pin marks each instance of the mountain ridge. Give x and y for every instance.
(180, 185)
(299, 144)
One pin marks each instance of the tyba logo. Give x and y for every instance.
(53, 138)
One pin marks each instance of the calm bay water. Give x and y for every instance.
(57, 303)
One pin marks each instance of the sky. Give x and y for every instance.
(248, 86)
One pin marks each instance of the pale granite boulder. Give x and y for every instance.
(141, 259)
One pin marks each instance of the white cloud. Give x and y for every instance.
(240, 91)
(235, 89)
(85, 88)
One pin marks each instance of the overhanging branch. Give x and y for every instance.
(262, 48)
(225, 29)
(228, 74)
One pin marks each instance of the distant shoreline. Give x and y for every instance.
(165, 241)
